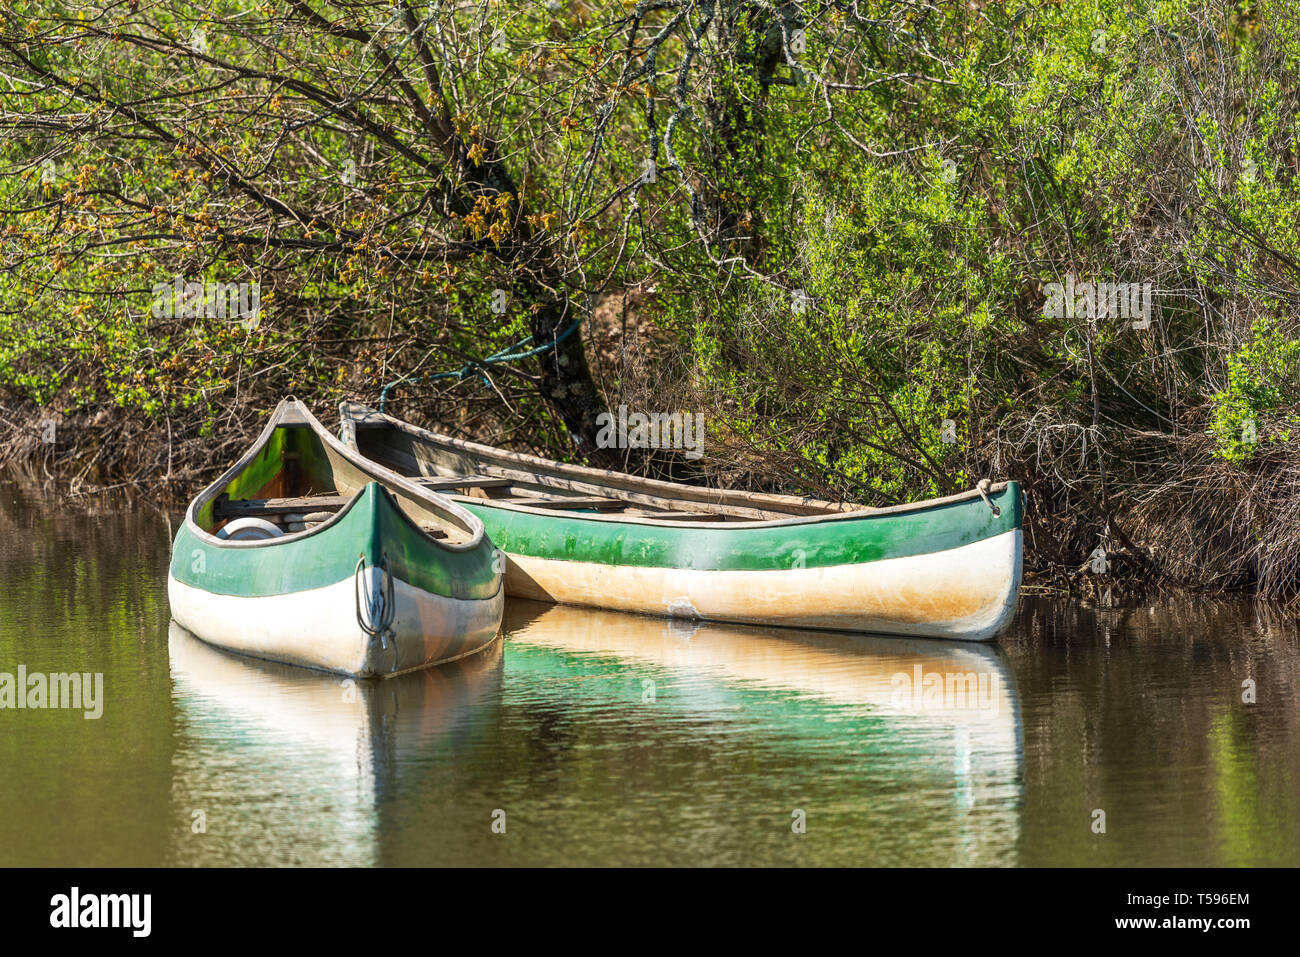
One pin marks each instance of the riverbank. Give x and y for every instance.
(1219, 529)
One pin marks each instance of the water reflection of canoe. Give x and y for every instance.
(913, 747)
(943, 683)
(316, 753)
(937, 721)
(943, 568)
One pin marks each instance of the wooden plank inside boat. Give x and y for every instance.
(689, 498)
(263, 507)
(445, 482)
(565, 501)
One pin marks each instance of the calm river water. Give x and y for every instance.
(597, 738)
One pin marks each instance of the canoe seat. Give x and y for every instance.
(670, 516)
(564, 501)
(605, 503)
(261, 507)
(297, 514)
(440, 482)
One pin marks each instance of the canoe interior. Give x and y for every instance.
(474, 472)
(465, 477)
(298, 482)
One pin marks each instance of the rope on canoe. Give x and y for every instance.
(982, 486)
(479, 366)
(377, 619)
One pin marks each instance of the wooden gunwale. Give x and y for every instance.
(584, 481)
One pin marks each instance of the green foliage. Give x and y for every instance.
(914, 174)
(1263, 375)
(883, 340)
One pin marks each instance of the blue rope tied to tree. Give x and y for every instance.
(479, 366)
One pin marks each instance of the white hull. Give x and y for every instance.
(318, 628)
(966, 593)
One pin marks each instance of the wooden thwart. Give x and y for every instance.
(225, 508)
(439, 482)
(564, 501)
(680, 516)
(605, 504)
(297, 514)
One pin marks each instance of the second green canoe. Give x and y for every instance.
(945, 568)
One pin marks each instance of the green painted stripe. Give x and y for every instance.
(849, 541)
(372, 526)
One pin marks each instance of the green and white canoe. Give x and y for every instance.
(944, 568)
(306, 553)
